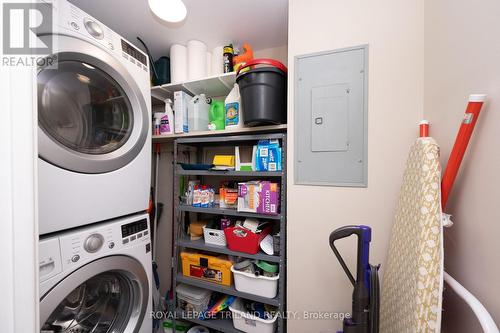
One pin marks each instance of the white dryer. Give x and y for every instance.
(94, 114)
(97, 278)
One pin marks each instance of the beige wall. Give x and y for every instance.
(279, 53)
(394, 31)
(462, 56)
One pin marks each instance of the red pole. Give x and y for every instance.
(424, 128)
(460, 146)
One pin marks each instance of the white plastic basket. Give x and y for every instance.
(256, 285)
(249, 323)
(214, 236)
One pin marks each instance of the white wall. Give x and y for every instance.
(462, 56)
(18, 207)
(394, 31)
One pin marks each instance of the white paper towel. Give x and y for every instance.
(209, 64)
(178, 63)
(197, 59)
(218, 60)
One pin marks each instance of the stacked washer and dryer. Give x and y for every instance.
(94, 110)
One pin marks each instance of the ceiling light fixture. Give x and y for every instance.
(168, 10)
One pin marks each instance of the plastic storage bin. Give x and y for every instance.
(256, 285)
(249, 323)
(192, 299)
(214, 236)
(180, 326)
(243, 240)
(208, 268)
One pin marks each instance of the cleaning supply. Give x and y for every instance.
(167, 119)
(198, 109)
(232, 108)
(181, 100)
(268, 156)
(157, 123)
(243, 58)
(223, 162)
(228, 58)
(216, 116)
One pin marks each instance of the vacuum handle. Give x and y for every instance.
(364, 236)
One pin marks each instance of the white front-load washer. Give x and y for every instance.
(97, 278)
(94, 114)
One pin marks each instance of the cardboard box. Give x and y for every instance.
(181, 100)
(261, 197)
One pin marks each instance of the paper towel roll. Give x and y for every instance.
(178, 63)
(197, 59)
(209, 64)
(218, 60)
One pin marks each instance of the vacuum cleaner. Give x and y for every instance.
(366, 295)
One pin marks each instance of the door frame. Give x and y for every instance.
(19, 310)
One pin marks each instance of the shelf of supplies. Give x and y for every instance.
(223, 325)
(256, 174)
(229, 212)
(212, 86)
(201, 245)
(225, 290)
(243, 130)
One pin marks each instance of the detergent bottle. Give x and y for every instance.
(216, 116)
(198, 109)
(232, 108)
(167, 119)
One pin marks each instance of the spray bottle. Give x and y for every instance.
(167, 119)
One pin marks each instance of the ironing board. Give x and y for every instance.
(413, 279)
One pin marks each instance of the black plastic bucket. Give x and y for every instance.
(263, 92)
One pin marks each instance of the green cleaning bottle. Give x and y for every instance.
(216, 116)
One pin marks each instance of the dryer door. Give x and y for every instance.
(92, 115)
(109, 295)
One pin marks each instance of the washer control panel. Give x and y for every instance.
(93, 28)
(134, 231)
(93, 243)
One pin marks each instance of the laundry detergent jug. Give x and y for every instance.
(216, 116)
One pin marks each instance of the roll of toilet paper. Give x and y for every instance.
(178, 63)
(197, 59)
(209, 63)
(218, 60)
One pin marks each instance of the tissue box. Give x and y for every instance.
(260, 197)
(181, 100)
(268, 156)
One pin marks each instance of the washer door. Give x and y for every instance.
(92, 115)
(109, 295)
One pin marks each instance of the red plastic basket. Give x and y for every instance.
(243, 240)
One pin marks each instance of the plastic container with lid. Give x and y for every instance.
(192, 299)
(247, 322)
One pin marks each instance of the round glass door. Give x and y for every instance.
(102, 304)
(109, 295)
(83, 108)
